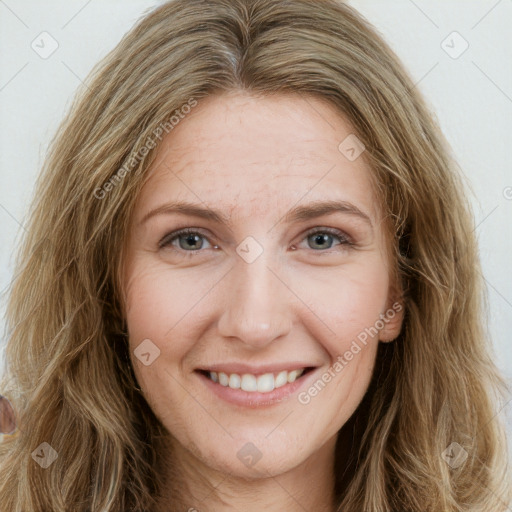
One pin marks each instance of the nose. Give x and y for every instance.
(257, 305)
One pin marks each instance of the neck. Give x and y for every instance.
(195, 487)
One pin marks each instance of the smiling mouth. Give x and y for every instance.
(264, 383)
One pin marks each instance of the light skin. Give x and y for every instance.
(304, 299)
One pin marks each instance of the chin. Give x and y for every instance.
(258, 458)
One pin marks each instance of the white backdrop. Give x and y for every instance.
(459, 54)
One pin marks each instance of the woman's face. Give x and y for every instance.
(283, 275)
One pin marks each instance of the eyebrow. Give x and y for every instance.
(299, 213)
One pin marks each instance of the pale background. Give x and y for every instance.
(470, 92)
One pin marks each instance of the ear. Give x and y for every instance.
(392, 317)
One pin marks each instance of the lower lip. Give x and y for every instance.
(255, 398)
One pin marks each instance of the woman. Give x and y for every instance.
(250, 280)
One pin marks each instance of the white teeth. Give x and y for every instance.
(294, 374)
(263, 383)
(234, 381)
(281, 379)
(249, 382)
(223, 379)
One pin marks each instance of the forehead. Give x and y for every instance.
(266, 152)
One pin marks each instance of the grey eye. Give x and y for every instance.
(190, 241)
(321, 240)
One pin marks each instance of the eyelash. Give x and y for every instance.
(166, 242)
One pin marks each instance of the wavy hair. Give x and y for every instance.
(68, 371)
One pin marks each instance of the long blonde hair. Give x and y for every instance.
(68, 372)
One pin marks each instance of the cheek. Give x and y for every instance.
(346, 303)
(160, 306)
(339, 389)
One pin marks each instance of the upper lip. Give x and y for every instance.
(256, 369)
